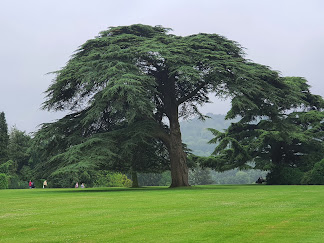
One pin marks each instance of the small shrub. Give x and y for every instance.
(115, 179)
(112, 179)
(126, 181)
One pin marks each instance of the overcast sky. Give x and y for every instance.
(39, 36)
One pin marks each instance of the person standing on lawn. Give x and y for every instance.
(45, 184)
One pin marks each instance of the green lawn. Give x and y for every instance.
(253, 213)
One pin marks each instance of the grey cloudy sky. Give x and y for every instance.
(39, 36)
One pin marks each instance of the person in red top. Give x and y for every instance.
(30, 184)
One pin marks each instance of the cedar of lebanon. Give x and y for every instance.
(143, 73)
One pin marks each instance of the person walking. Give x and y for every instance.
(30, 184)
(45, 184)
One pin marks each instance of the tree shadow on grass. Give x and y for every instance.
(133, 190)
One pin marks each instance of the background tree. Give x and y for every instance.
(4, 138)
(285, 141)
(20, 154)
(141, 74)
(18, 147)
(15, 164)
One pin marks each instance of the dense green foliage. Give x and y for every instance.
(285, 176)
(16, 164)
(3, 181)
(8, 168)
(109, 179)
(253, 213)
(18, 148)
(316, 175)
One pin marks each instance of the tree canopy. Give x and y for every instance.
(141, 76)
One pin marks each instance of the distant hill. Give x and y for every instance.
(196, 136)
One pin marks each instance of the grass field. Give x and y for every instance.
(250, 213)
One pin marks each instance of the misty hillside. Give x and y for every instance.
(196, 136)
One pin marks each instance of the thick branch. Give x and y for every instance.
(191, 94)
(161, 134)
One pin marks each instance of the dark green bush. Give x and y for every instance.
(285, 176)
(3, 181)
(63, 179)
(306, 180)
(316, 175)
(16, 183)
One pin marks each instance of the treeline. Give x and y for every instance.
(20, 162)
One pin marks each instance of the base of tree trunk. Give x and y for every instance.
(134, 179)
(174, 186)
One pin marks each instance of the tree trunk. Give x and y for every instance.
(178, 158)
(179, 169)
(134, 179)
